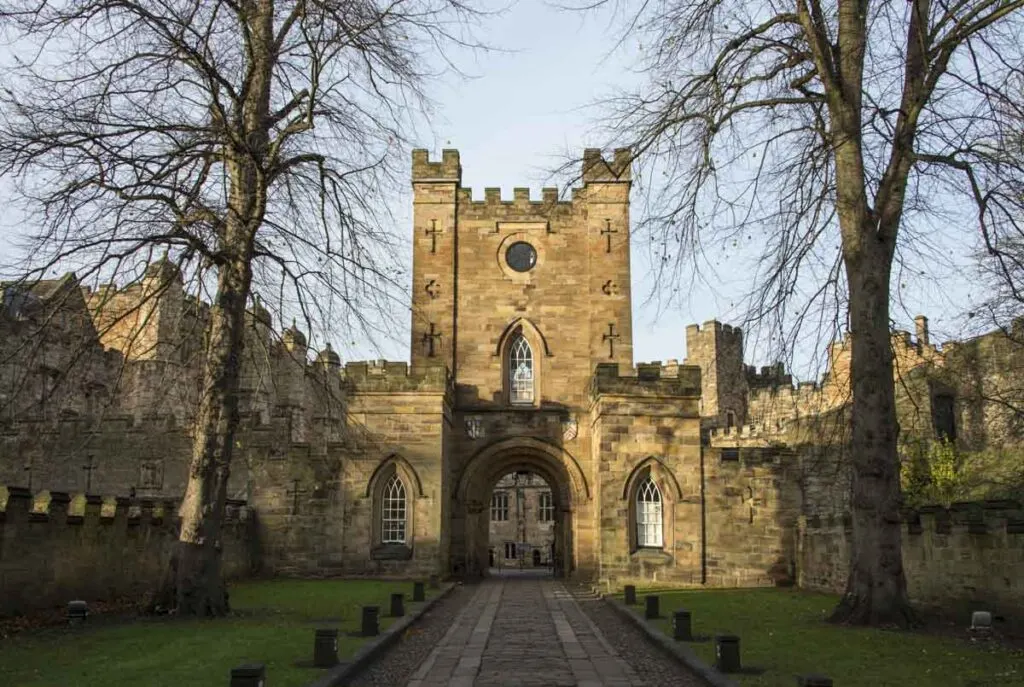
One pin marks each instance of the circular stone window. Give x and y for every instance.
(521, 256)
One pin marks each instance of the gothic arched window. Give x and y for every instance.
(392, 512)
(648, 515)
(520, 371)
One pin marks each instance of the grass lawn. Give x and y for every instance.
(783, 632)
(272, 622)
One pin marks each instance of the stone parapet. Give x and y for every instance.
(447, 169)
(598, 169)
(56, 546)
(646, 379)
(744, 432)
(521, 208)
(967, 553)
(391, 376)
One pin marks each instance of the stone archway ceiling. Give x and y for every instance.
(558, 467)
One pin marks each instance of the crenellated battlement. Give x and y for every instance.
(520, 207)
(394, 376)
(715, 327)
(962, 518)
(770, 376)
(19, 504)
(738, 431)
(670, 379)
(58, 546)
(425, 170)
(596, 168)
(520, 196)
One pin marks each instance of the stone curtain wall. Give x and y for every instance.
(973, 552)
(751, 508)
(113, 548)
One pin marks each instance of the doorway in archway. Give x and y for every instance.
(555, 472)
(521, 525)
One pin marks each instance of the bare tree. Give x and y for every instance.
(826, 135)
(251, 138)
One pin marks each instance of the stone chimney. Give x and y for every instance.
(921, 325)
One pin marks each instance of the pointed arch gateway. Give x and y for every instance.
(570, 495)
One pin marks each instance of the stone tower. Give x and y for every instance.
(569, 295)
(718, 350)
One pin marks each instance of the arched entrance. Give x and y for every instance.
(470, 516)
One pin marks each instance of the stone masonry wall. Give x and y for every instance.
(647, 423)
(751, 509)
(523, 524)
(718, 350)
(108, 549)
(972, 553)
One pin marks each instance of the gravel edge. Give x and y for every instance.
(398, 663)
(365, 656)
(679, 651)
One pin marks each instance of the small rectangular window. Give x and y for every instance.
(547, 507)
(510, 550)
(730, 455)
(499, 506)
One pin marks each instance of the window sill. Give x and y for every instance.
(391, 552)
(651, 555)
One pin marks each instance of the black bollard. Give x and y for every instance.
(397, 605)
(418, 592)
(629, 594)
(77, 612)
(371, 628)
(325, 648)
(727, 653)
(682, 626)
(651, 608)
(813, 680)
(249, 675)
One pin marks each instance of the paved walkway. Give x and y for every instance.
(519, 633)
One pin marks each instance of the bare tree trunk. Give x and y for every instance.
(876, 592)
(199, 586)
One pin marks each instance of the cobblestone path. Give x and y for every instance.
(526, 632)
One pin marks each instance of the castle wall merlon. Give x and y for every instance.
(597, 169)
(646, 379)
(62, 507)
(718, 434)
(521, 195)
(395, 376)
(448, 169)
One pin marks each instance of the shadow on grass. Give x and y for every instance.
(783, 632)
(273, 622)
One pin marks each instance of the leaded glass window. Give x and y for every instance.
(648, 515)
(393, 512)
(520, 367)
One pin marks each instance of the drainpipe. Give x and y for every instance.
(703, 518)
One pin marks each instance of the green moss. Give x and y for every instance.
(784, 633)
(272, 622)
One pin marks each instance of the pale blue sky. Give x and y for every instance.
(523, 106)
